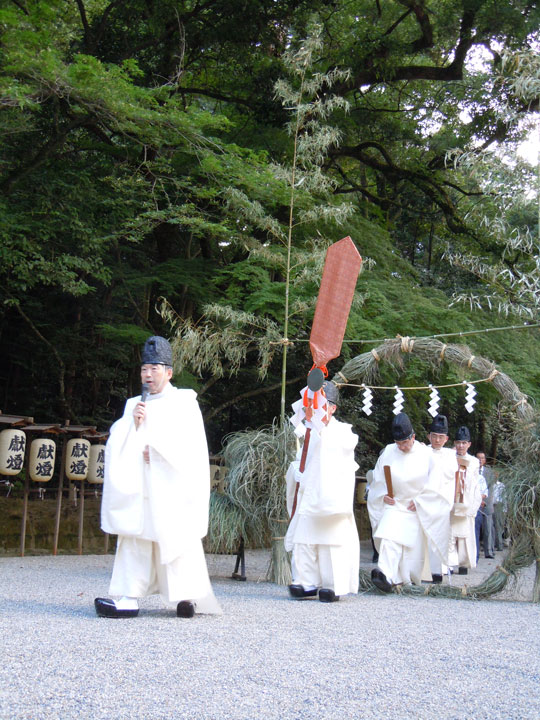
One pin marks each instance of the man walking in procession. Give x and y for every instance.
(407, 508)
(445, 459)
(156, 495)
(322, 532)
(463, 551)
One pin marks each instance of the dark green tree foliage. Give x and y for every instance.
(123, 125)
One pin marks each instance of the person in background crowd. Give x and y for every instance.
(499, 513)
(484, 518)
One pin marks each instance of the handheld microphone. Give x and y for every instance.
(144, 395)
(144, 392)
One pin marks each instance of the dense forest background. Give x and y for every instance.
(146, 174)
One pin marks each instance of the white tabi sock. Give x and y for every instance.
(127, 603)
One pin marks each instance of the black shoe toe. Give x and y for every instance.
(298, 592)
(185, 609)
(107, 608)
(328, 596)
(378, 578)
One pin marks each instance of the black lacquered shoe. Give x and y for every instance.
(107, 608)
(378, 578)
(185, 609)
(327, 596)
(298, 592)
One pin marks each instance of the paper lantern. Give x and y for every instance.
(42, 455)
(96, 464)
(77, 457)
(12, 446)
(361, 485)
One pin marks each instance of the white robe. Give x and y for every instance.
(445, 460)
(165, 501)
(324, 505)
(462, 551)
(415, 476)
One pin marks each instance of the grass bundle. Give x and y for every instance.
(228, 523)
(257, 462)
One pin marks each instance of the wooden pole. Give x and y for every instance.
(388, 478)
(25, 501)
(59, 497)
(81, 520)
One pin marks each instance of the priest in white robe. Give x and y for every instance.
(445, 459)
(463, 551)
(410, 513)
(322, 533)
(156, 496)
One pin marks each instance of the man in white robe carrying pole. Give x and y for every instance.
(156, 494)
(322, 533)
(406, 508)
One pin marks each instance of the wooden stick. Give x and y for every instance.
(301, 468)
(388, 478)
(304, 450)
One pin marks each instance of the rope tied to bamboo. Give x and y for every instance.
(282, 537)
(443, 350)
(406, 344)
(376, 355)
(342, 376)
(493, 374)
(470, 361)
(282, 341)
(504, 570)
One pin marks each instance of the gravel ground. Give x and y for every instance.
(367, 656)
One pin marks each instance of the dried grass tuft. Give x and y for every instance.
(253, 505)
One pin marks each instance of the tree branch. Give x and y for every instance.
(250, 393)
(43, 154)
(20, 6)
(84, 19)
(66, 407)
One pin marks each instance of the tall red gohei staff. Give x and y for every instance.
(341, 269)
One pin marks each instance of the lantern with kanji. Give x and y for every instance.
(42, 455)
(96, 465)
(77, 457)
(12, 446)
